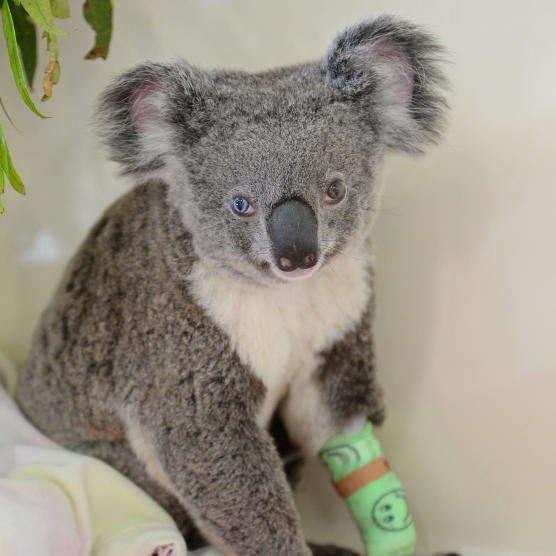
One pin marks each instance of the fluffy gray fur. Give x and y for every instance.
(128, 365)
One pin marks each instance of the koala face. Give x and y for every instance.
(284, 189)
(275, 173)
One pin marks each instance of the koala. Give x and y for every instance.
(215, 327)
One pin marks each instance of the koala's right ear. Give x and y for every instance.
(149, 112)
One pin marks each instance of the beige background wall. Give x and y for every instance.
(466, 250)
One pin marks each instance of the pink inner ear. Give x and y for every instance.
(144, 111)
(400, 80)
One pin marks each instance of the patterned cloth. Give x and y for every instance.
(54, 502)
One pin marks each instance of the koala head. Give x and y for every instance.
(275, 173)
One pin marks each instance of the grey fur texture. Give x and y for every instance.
(129, 365)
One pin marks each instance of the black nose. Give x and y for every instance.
(293, 233)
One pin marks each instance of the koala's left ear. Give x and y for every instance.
(391, 71)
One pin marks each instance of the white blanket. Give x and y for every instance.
(57, 503)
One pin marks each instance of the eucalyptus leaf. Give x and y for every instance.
(51, 77)
(3, 164)
(26, 35)
(98, 14)
(41, 13)
(15, 61)
(52, 71)
(60, 8)
(13, 176)
(7, 165)
(6, 112)
(3, 152)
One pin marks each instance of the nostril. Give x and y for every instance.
(309, 260)
(286, 264)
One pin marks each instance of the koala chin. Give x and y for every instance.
(214, 328)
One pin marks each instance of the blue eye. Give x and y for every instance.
(242, 206)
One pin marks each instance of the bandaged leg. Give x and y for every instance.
(373, 492)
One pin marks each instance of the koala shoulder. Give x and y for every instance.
(133, 237)
(126, 265)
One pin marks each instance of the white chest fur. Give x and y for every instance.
(279, 331)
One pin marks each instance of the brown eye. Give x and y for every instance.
(335, 193)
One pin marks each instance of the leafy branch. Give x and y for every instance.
(20, 20)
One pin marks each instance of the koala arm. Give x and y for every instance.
(347, 377)
(340, 395)
(222, 467)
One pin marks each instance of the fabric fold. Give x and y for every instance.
(53, 501)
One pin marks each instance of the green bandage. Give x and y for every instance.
(373, 492)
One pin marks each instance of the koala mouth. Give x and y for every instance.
(271, 270)
(297, 274)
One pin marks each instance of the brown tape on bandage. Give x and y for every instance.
(357, 479)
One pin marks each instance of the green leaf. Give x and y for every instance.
(7, 165)
(3, 152)
(98, 14)
(3, 159)
(15, 61)
(41, 13)
(60, 8)
(13, 176)
(26, 35)
(1, 169)
(6, 112)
